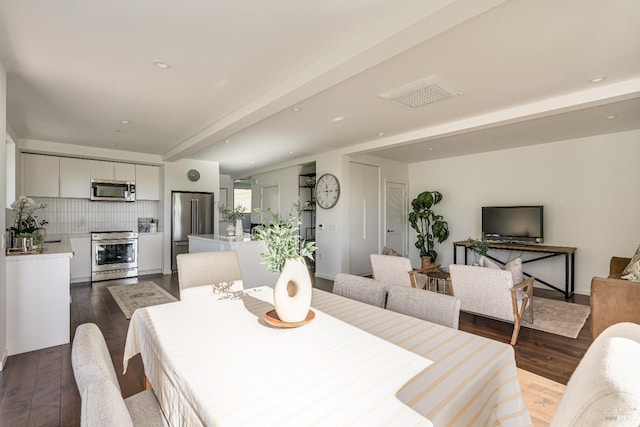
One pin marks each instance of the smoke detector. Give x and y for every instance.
(422, 92)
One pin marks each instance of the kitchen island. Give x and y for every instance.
(38, 298)
(254, 273)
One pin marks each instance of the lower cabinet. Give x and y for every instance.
(149, 253)
(81, 261)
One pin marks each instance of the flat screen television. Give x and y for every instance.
(513, 224)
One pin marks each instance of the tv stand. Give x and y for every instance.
(544, 252)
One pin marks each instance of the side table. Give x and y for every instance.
(440, 282)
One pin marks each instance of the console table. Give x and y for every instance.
(544, 252)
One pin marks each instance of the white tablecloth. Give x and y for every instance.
(216, 362)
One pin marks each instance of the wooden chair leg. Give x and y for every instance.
(516, 331)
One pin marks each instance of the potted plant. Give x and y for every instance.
(26, 226)
(428, 225)
(285, 253)
(479, 248)
(232, 216)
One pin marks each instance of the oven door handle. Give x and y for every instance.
(114, 242)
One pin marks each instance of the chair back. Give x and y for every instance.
(103, 406)
(207, 268)
(391, 270)
(359, 288)
(90, 358)
(484, 291)
(426, 305)
(605, 387)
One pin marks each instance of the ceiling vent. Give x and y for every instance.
(422, 92)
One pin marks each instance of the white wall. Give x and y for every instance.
(3, 280)
(175, 179)
(286, 179)
(588, 186)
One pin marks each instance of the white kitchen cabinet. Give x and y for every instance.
(81, 261)
(147, 182)
(124, 171)
(37, 301)
(101, 170)
(149, 253)
(75, 177)
(41, 175)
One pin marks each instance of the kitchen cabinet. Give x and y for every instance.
(124, 171)
(38, 309)
(81, 261)
(147, 182)
(149, 253)
(100, 169)
(75, 177)
(41, 175)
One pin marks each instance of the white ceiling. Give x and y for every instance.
(77, 68)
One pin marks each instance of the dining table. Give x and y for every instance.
(219, 361)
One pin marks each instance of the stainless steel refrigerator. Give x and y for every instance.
(191, 213)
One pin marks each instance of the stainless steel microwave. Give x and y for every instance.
(114, 191)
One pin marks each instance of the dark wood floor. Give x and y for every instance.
(38, 388)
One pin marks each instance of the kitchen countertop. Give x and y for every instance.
(57, 249)
(245, 238)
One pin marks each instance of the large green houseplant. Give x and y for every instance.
(429, 226)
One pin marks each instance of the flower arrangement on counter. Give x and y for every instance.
(26, 222)
(231, 215)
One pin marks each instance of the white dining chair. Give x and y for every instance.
(96, 379)
(426, 305)
(204, 273)
(397, 271)
(360, 288)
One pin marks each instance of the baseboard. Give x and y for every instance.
(3, 361)
(325, 276)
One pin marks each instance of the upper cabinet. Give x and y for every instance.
(52, 176)
(147, 182)
(40, 175)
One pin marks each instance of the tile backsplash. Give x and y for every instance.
(70, 216)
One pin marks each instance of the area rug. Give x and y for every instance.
(557, 317)
(138, 295)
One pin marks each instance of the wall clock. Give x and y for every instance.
(193, 175)
(327, 191)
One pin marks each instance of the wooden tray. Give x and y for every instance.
(272, 318)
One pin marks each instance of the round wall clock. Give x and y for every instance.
(193, 175)
(327, 191)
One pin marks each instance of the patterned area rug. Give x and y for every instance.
(557, 317)
(138, 295)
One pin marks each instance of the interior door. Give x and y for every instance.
(397, 206)
(364, 214)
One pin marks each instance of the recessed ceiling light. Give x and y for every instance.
(430, 148)
(124, 122)
(296, 109)
(161, 64)
(290, 152)
(337, 119)
(597, 79)
(612, 116)
(226, 141)
(380, 133)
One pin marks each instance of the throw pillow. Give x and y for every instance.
(632, 270)
(514, 266)
(389, 251)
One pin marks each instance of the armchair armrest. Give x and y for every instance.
(432, 268)
(617, 265)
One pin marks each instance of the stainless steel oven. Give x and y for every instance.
(114, 255)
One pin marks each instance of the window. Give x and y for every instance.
(242, 196)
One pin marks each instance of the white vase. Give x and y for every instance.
(292, 292)
(239, 230)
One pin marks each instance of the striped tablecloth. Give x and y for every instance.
(216, 362)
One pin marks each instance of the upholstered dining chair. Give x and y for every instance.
(360, 288)
(397, 271)
(200, 272)
(426, 305)
(97, 382)
(491, 292)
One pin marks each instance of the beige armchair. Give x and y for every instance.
(490, 292)
(613, 300)
(397, 271)
(200, 272)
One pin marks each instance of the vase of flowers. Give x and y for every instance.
(27, 229)
(233, 217)
(286, 252)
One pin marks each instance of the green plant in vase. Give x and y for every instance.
(479, 248)
(429, 226)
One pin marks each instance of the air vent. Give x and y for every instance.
(422, 92)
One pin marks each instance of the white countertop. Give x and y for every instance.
(60, 249)
(245, 238)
